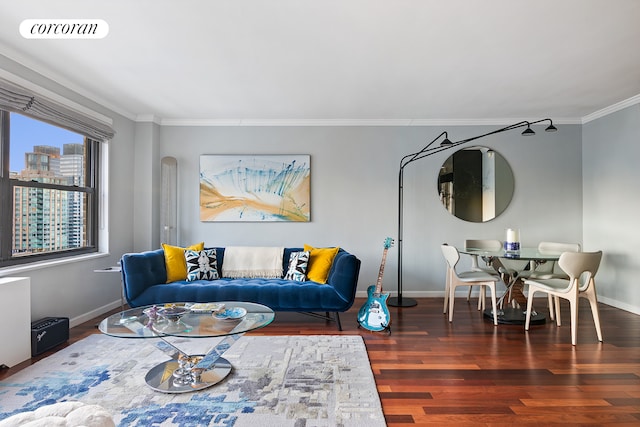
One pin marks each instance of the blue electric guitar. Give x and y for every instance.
(374, 314)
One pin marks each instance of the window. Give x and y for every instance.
(49, 186)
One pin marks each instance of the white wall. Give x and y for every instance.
(354, 187)
(611, 150)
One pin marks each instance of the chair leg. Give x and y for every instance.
(527, 319)
(573, 305)
(494, 305)
(552, 315)
(452, 293)
(482, 294)
(590, 294)
(596, 318)
(556, 303)
(469, 293)
(447, 286)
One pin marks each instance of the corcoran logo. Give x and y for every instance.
(64, 28)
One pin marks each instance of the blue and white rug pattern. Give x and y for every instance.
(298, 381)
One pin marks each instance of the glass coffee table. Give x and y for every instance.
(188, 372)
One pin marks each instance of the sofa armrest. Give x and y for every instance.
(142, 270)
(343, 275)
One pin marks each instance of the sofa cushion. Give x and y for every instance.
(297, 269)
(278, 294)
(174, 260)
(320, 262)
(201, 265)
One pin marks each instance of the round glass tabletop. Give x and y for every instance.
(522, 254)
(191, 320)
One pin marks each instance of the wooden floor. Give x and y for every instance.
(432, 372)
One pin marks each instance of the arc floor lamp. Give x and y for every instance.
(427, 151)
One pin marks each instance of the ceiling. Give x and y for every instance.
(333, 61)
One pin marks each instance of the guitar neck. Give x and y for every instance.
(381, 272)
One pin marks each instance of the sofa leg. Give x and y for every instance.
(338, 321)
(327, 316)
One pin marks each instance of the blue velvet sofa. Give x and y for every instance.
(144, 276)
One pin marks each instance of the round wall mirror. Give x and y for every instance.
(476, 184)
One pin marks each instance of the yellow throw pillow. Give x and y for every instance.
(175, 262)
(320, 262)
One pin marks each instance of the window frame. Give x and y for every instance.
(91, 189)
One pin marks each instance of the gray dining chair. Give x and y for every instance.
(465, 278)
(581, 267)
(480, 264)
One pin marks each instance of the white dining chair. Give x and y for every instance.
(579, 266)
(481, 265)
(550, 269)
(466, 278)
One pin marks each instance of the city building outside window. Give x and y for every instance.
(49, 186)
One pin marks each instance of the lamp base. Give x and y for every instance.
(399, 301)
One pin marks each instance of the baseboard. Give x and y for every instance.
(620, 305)
(93, 313)
(418, 294)
(440, 294)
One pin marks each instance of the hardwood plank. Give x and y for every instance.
(432, 372)
(547, 403)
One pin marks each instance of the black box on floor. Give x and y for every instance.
(47, 333)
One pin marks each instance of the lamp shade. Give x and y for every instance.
(528, 131)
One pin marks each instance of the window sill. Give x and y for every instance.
(19, 269)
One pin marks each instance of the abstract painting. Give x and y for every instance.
(255, 188)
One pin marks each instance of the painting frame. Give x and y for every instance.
(255, 188)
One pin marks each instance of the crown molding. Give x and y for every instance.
(148, 118)
(505, 121)
(286, 122)
(348, 122)
(612, 109)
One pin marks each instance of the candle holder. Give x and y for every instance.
(511, 246)
(512, 243)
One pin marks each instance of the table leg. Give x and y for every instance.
(518, 295)
(514, 316)
(186, 372)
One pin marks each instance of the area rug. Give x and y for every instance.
(300, 381)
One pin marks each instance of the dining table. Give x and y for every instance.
(502, 261)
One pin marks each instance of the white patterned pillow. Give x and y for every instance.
(201, 265)
(298, 262)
